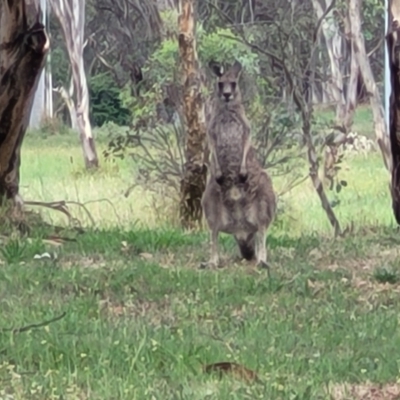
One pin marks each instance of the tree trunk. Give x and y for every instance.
(345, 110)
(314, 166)
(352, 85)
(68, 99)
(38, 107)
(71, 15)
(334, 45)
(194, 179)
(23, 48)
(306, 111)
(42, 108)
(351, 103)
(48, 76)
(369, 82)
(393, 42)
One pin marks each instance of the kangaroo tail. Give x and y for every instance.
(247, 247)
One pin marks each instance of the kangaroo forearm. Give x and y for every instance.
(243, 164)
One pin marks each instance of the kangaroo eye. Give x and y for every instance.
(221, 86)
(233, 86)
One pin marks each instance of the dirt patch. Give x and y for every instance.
(365, 391)
(154, 312)
(92, 262)
(375, 256)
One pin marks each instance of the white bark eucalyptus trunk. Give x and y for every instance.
(334, 41)
(334, 47)
(369, 82)
(67, 96)
(351, 95)
(42, 108)
(23, 48)
(71, 15)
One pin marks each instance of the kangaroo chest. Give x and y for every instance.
(229, 145)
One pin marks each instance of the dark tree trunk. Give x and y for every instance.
(393, 43)
(23, 48)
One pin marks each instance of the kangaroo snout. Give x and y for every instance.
(227, 96)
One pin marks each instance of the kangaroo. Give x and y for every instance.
(239, 198)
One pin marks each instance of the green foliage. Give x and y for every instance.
(170, 19)
(105, 102)
(60, 65)
(373, 13)
(162, 64)
(221, 45)
(278, 141)
(144, 107)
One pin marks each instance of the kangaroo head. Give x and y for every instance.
(227, 88)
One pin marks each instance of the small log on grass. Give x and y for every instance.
(23, 48)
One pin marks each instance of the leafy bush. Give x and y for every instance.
(159, 152)
(278, 141)
(105, 102)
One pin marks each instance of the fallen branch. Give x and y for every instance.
(62, 206)
(130, 189)
(99, 201)
(54, 205)
(26, 328)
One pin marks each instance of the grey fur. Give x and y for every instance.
(239, 198)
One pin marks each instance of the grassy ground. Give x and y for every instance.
(141, 320)
(363, 119)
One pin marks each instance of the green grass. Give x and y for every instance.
(363, 120)
(141, 318)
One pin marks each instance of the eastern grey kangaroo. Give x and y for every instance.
(239, 198)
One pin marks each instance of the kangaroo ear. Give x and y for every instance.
(236, 68)
(216, 67)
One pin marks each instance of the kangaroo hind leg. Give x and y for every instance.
(261, 255)
(214, 256)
